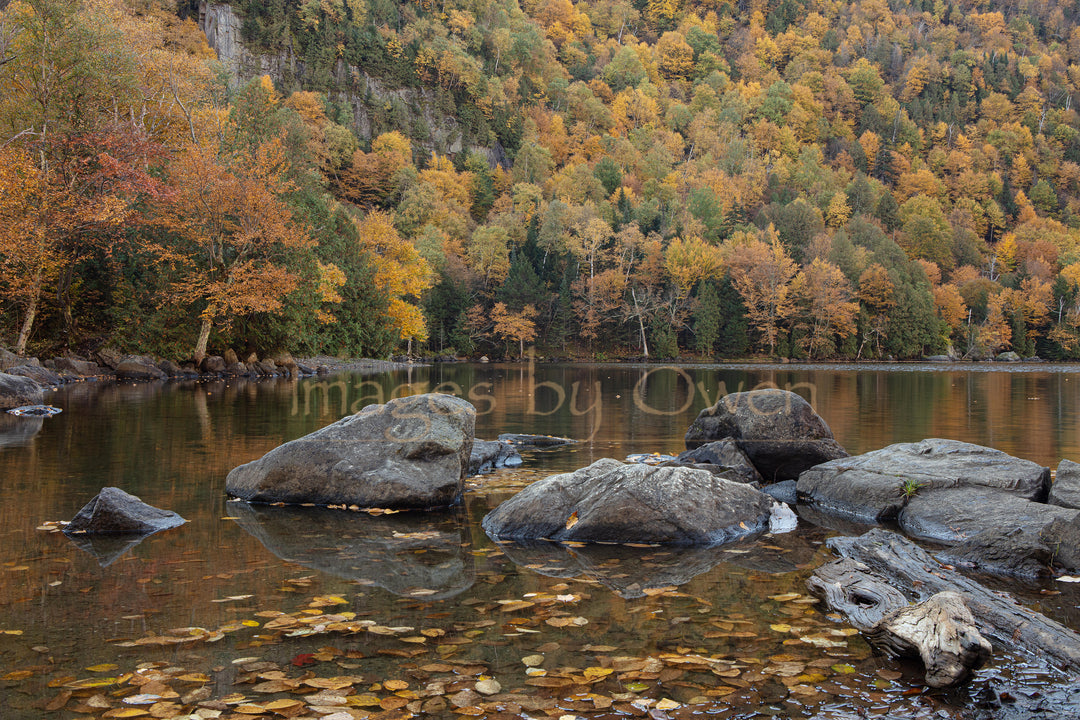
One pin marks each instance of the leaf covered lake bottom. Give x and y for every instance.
(254, 611)
(391, 616)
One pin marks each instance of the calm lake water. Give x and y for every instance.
(301, 612)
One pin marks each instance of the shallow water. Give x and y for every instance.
(725, 632)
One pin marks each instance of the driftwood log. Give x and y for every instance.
(891, 567)
(940, 630)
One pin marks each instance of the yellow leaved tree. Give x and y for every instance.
(400, 272)
(27, 259)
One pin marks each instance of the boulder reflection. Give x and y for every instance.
(630, 571)
(107, 548)
(18, 431)
(421, 555)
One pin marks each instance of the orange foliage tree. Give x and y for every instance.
(828, 311)
(233, 233)
(877, 294)
(519, 326)
(762, 274)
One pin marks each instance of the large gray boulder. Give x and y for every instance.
(412, 452)
(1066, 488)
(16, 391)
(953, 515)
(876, 486)
(1062, 537)
(610, 501)
(777, 429)
(113, 511)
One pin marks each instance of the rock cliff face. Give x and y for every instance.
(364, 94)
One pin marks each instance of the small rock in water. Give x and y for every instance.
(488, 686)
(113, 511)
(782, 519)
(649, 458)
(35, 410)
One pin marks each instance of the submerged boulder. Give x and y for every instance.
(113, 511)
(876, 486)
(16, 391)
(777, 429)
(536, 441)
(412, 452)
(610, 501)
(410, 554)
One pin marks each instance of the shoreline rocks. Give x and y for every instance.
(107, 364)
(412, 452)
(17, 391)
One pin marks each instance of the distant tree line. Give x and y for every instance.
(798, 178)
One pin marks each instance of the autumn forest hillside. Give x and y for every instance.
(611, 178)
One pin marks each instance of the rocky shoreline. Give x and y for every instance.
(23, 379)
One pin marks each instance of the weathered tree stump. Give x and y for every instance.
(940, 630)
(881, 568)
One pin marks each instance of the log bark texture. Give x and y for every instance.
(896, 562)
